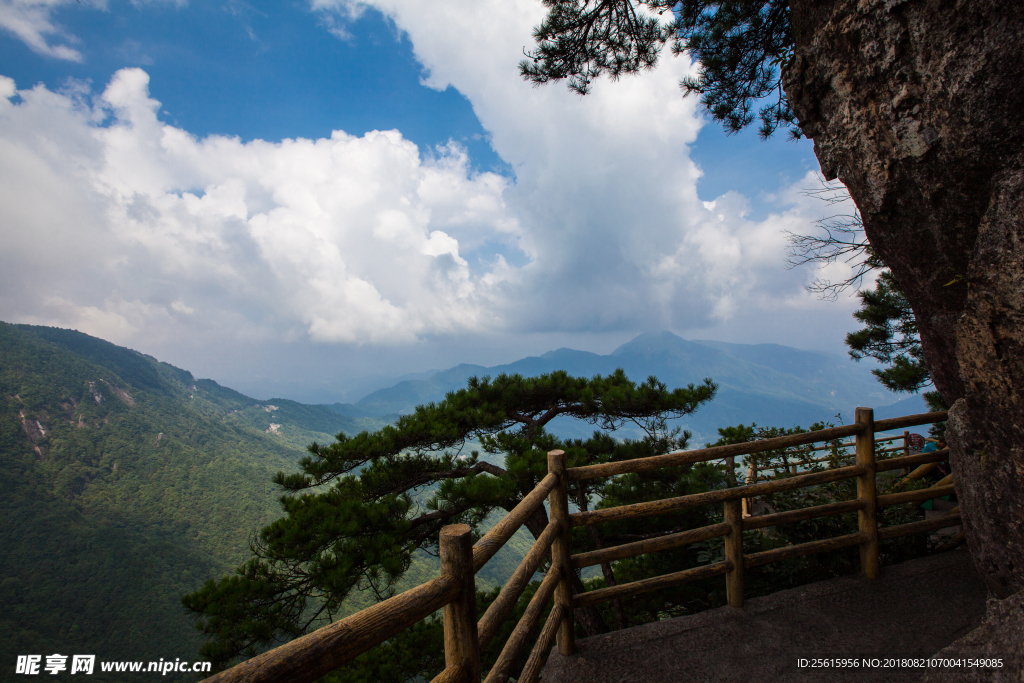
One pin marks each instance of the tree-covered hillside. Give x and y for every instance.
(127, 483)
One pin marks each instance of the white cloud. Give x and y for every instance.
(124, 225)
(30, 20)
(605, 190)
(337, 235)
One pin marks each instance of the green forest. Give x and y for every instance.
(130, 484)
(127, 484)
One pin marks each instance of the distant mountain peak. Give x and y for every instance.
(652, 342)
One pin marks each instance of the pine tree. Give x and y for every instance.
(740, 47)
(362, 506)
(889, 336)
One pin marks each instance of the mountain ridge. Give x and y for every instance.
(769, 384)
(127, 484)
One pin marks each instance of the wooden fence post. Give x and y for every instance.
(558, 500)
(734, 552)
(461, 645)
(866, 518)
(906, 442)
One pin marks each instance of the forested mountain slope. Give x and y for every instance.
(126, 484)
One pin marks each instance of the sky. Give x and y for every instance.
(303, 199)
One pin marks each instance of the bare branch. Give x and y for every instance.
(842, 239)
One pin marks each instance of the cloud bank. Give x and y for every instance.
(122, 222)
(122, 225)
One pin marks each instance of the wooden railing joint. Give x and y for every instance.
(498, 610)
(498, 536)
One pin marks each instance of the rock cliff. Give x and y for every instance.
(918, 107)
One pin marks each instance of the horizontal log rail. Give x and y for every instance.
(801, 549)
(865, 505)
(679, 458)
(924, 526)
(626, 590)
(498, 611)
(658, 507)
(894, 423)
(330, 647)
(884, 464)
(847, 444)
(312, 656)
(915, 496)
(844, 446)
(650, 545)
(792, 466)
(911, 460)
(777, 518)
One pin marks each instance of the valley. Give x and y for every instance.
(129, 483)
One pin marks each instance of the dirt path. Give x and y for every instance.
(913, 610)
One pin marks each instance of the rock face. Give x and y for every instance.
(998, 637)
(918, 107)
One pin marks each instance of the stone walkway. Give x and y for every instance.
(913, 610)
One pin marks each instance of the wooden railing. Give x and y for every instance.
(865, 504)
(801, 456)
(311, 656)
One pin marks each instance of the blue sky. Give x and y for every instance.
(151, 197)
(268, 70)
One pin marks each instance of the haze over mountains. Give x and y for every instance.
(769, 384)
(128, 483)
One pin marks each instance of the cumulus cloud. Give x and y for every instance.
(605, 188)
(119, 222)
(131, 222)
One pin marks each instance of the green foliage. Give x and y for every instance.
(361, 508)
(126, 483)
(781, 464)
(741, 47)
(890, 336)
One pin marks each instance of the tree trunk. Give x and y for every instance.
(609, 579)
(918, 107)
